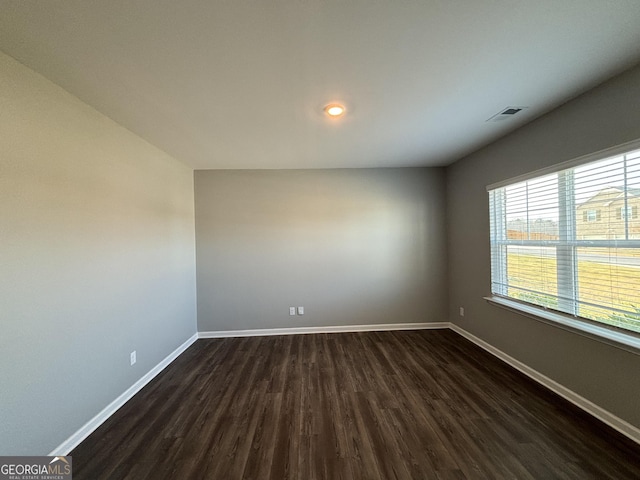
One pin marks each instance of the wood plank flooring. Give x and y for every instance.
(377, 405)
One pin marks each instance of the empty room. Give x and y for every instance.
(329, 240)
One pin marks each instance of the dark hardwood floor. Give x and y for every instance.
(390, 405)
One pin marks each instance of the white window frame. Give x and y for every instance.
(626, 212)
(592, 216)
(625, 339)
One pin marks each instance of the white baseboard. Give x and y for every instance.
(591, 408)
(88, 428)
(382, 327)
(603, 415)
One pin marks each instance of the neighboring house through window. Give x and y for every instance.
(569, 240)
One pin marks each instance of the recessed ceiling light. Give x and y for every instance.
(335, 110)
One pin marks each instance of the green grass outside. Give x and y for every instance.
(596, 284)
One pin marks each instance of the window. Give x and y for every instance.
(592, 215)
(630, 211)
(569, 240)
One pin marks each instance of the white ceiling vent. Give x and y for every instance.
(506, 114)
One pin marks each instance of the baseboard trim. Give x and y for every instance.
(591, 408)
(88, 428)
(382, 327)
(600, 413)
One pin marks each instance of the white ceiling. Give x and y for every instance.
(242, 83)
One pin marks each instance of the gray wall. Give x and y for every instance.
(97, 255)
(359, 246)
(606, 116)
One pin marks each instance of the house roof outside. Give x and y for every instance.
(630, 192)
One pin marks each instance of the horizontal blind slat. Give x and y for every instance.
(568, 240)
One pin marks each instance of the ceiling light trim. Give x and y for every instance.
(335, 110)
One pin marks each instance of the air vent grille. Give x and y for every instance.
(506, 114)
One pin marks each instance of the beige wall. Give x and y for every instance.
(609, 223)
(97, 255)
(352, 246)
(606, 116)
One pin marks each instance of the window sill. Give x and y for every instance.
(625, 341)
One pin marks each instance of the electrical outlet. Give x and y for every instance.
(462, 311)
(133, 358)
(300, 310)
(292, 310)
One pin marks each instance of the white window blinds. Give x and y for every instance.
(570, 241)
